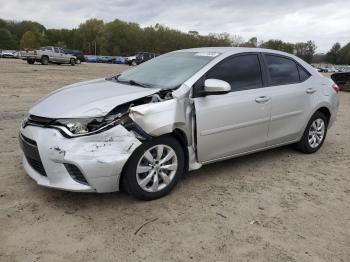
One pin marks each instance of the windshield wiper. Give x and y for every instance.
(135, 83)
(131, 82)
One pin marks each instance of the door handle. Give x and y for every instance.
(262, 99)
(310, 90)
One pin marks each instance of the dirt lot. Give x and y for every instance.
(278, 205)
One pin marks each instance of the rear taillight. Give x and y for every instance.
(335, 88)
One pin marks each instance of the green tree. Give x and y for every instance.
(6, 39)
(252, 42)
(276, 44)
(30, 40)
(90, 32)
(319, 58)
(333, 55)
(344, 55)
(305, 51)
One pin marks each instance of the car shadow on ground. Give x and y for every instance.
(73, 201)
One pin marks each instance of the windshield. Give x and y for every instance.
(167, 71)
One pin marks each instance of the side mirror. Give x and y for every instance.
(216, 86)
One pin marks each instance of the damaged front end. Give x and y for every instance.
(88, 154)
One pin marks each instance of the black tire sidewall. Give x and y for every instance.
(44, 60)
(130, 181)
(72, 62)
(305, 146)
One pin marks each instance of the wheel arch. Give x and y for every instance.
(324, 110)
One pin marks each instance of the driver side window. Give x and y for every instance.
(241, 72)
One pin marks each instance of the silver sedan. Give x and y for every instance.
(143, 129)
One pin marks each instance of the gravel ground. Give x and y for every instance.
(278, 205)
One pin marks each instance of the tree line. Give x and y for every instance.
(126, 38)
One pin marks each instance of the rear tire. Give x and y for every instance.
(154, 168)
(314, 134)
(44, 60)
(78, 61)
(30, 62)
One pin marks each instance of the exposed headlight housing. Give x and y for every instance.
(74, 127)
(80, 126)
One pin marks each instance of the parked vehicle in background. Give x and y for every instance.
(119, 60)
(49, 54)
(104, 59)
(321, 69)
(345, 69)
(143, 57)
(342, 80)
(9, 54)
(130, 60)
(91, 59)
(77, 53)
(139, 58)
(143, 129)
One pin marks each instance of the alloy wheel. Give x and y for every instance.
(316, 133)
(156, 168)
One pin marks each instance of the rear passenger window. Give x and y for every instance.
(303, 74)
(282, 70)
(241, 72)
(56, 50)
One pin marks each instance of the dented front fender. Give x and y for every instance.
(159, 118)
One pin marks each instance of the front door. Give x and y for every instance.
(236, 122)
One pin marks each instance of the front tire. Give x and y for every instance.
(29, 61)
(44, 60)
(78, 62)
(72, 62)
(314, 134)
(154, 168)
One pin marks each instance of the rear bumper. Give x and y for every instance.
(100, 158)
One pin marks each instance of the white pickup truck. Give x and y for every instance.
(49, 54)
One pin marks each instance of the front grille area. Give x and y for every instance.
(31, 153)
(76, 174)
(37, 166)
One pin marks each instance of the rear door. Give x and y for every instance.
(290, 95)
(64, 58)
(56, 55)
(236, 122)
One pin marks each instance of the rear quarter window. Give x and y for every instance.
(303, 74)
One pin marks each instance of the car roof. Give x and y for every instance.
(233, 50)
(228, 51)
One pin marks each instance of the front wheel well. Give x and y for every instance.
(182, 138)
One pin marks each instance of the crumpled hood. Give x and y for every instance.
(88, 99)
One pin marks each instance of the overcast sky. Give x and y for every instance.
(325, 22)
